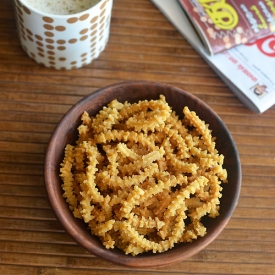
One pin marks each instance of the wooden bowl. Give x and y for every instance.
(66, 132)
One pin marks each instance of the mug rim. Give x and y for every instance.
(63, 16)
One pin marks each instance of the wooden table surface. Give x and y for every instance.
(143, 45)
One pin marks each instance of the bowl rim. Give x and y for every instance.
(140, 261)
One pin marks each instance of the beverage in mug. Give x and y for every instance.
(62, 7)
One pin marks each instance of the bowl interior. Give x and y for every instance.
(66, 132)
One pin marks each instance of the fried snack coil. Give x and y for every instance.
(141, 178)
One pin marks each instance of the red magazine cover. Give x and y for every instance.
(223, 24)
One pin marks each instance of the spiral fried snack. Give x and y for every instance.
(141, 178)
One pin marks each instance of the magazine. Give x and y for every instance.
(223, 24)
(248, 69)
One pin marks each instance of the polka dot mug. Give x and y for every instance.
(64, 42)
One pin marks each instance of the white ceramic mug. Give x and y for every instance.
(64, 42)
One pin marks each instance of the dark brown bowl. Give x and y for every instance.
(66, 132)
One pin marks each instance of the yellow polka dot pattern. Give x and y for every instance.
(64, 42)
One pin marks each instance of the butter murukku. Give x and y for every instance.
(141, 178)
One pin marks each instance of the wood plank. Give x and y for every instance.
(12, 136)
(63, 271)
(27, 213)
(14, 157)
(24, 201)
(15, 270)
(22, 169)
(246, 237)
(30, 225)
(256, 202)
(117, 75)
(257, 181)
(19, 190)
(96, 263)
(39, 238)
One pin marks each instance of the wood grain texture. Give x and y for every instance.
(143, 45)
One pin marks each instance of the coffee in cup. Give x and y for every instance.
(61, 7)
